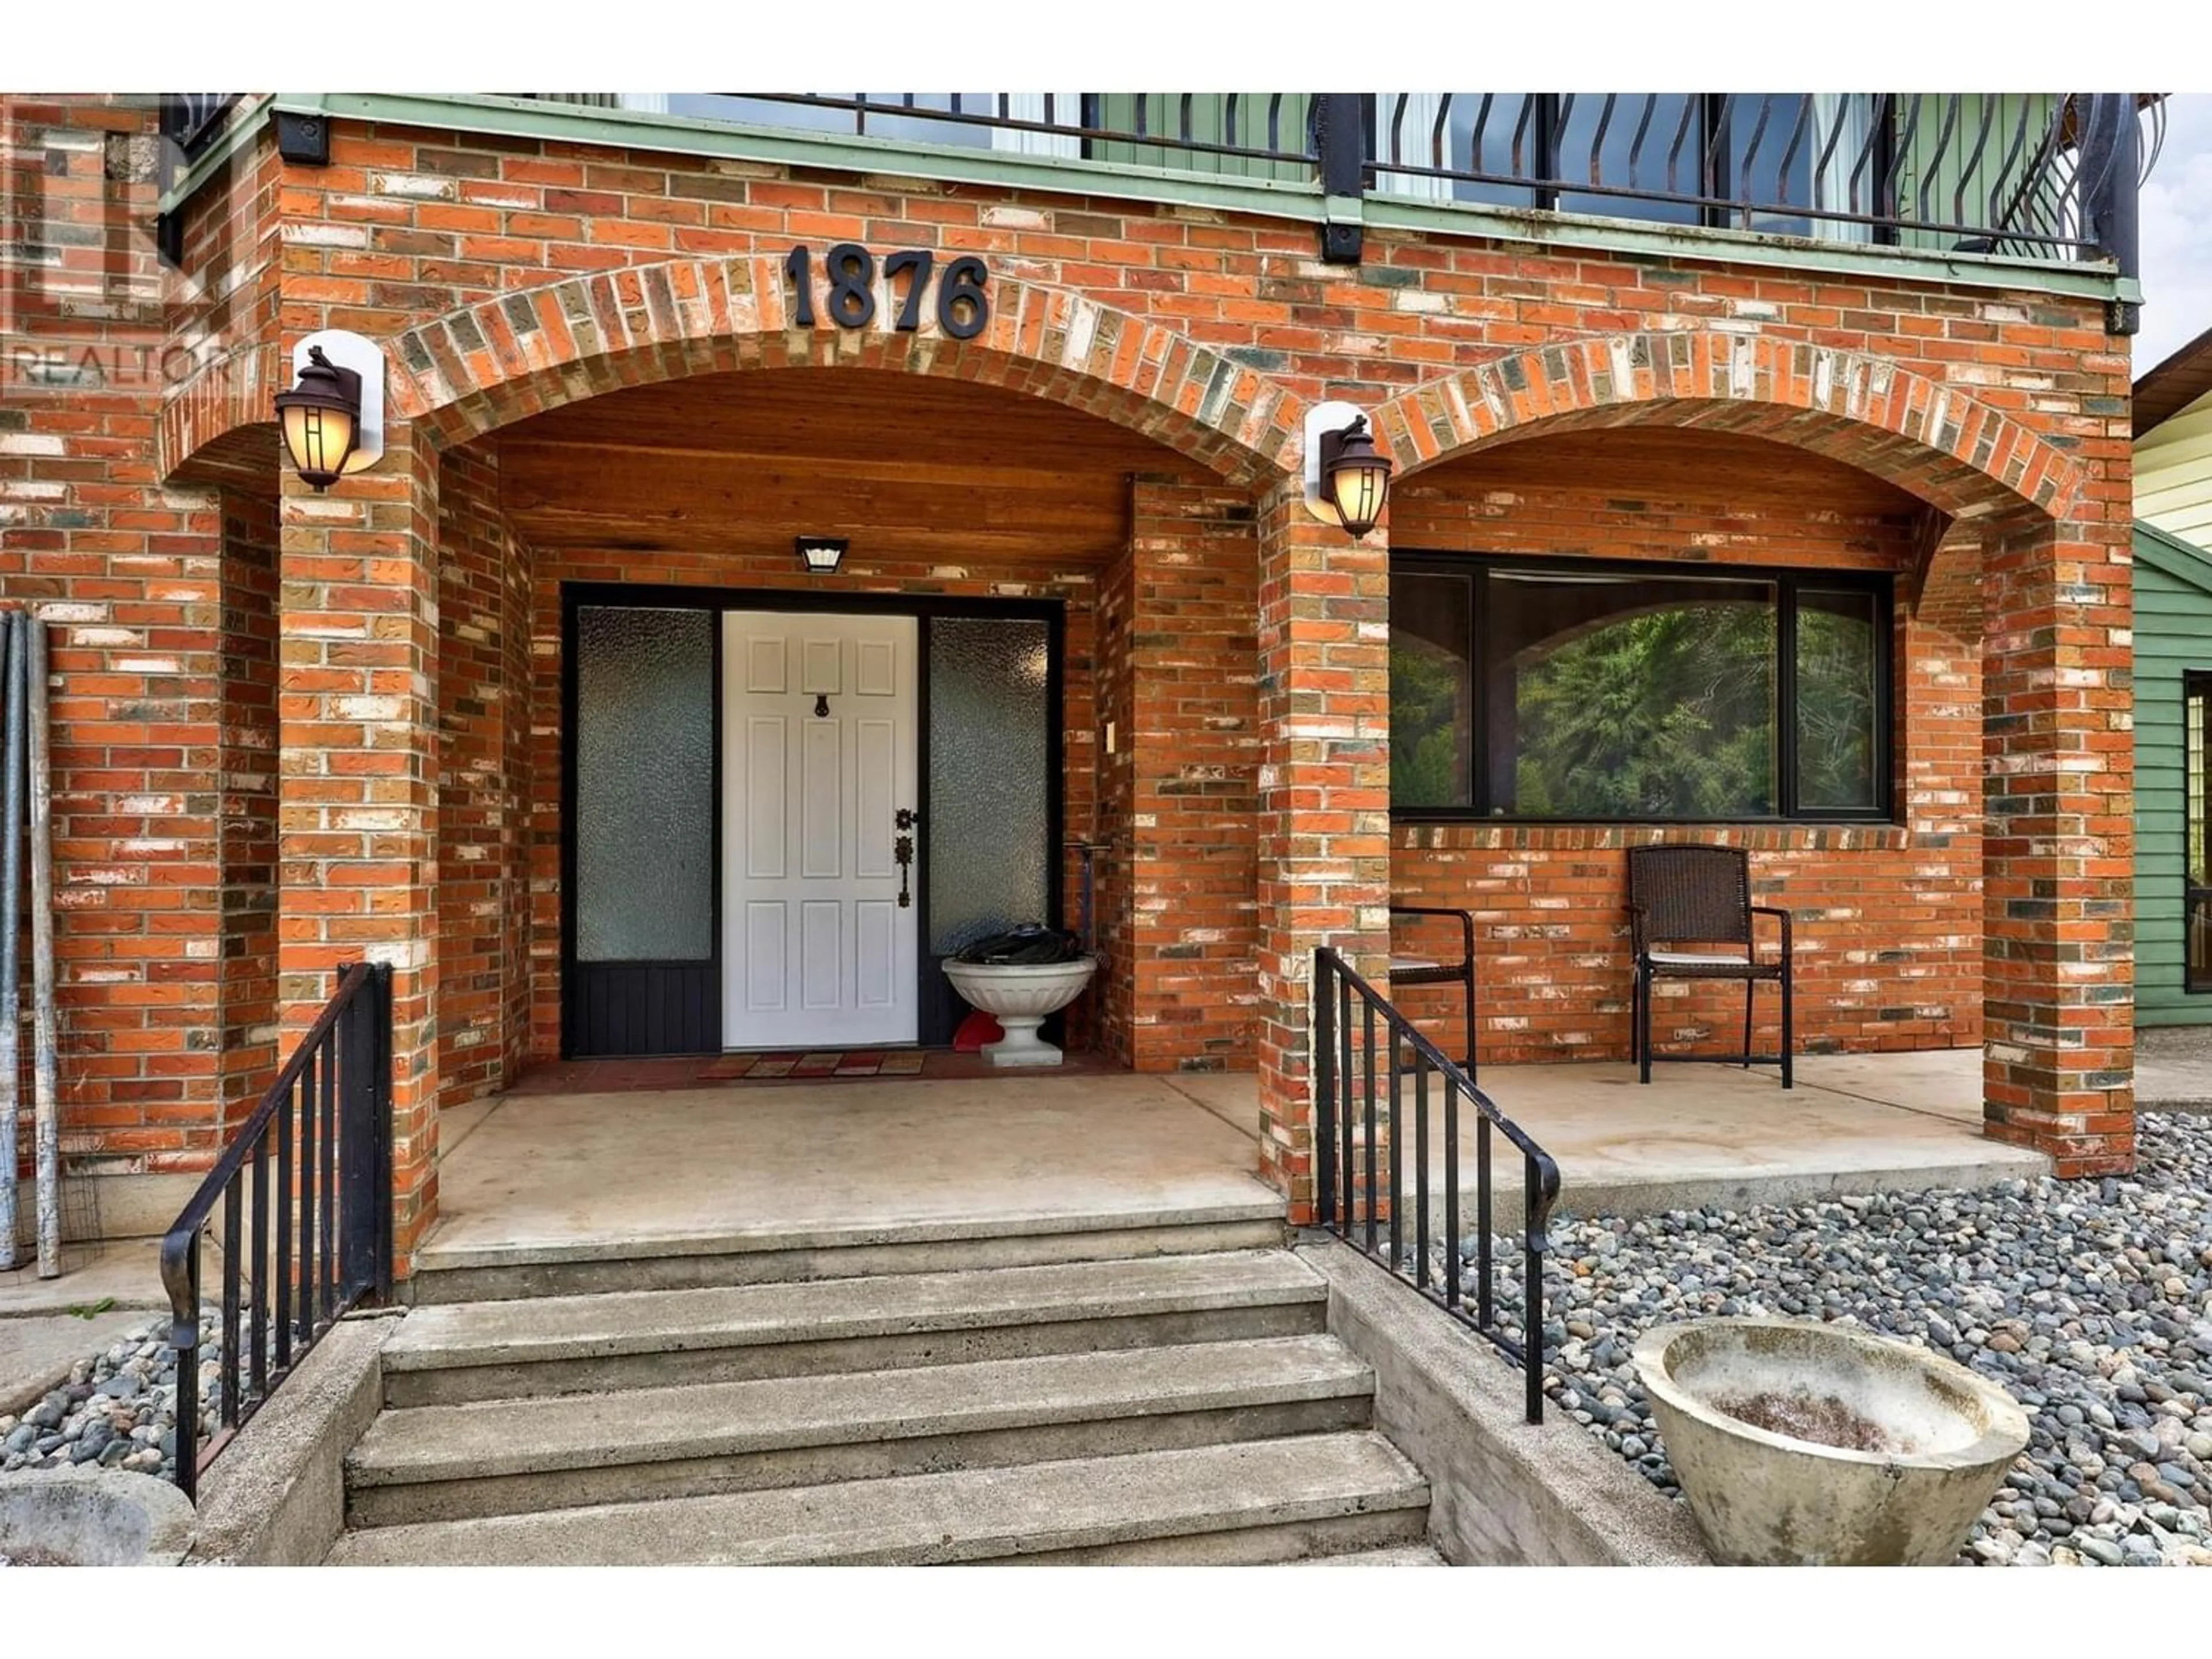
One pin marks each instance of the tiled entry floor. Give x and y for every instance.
(698, 1071)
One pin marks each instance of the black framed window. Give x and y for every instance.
(2196, 875)
(1589, 691)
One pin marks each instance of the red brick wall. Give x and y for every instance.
(1191, 758)
(1888, 917)
(1113, 902)
(1209, 329)
(484, 719)
(248, 798)
(130, 575)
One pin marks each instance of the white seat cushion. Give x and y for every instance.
(1695, 959)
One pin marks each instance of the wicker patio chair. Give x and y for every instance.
(1681, 894)
(1423, 968)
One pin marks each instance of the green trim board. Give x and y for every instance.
(246, 122)
(2172, 638)
(1299, 199)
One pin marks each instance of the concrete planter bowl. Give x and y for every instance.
(93, 1518)
(1799, 1443)
(1019, 995)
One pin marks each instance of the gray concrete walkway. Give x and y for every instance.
(903, 1159)
(48, 1324)
(677, 1170)
(2173, 1069)
(1700, 1134)
(1720, 1135)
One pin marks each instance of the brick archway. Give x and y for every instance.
(199, 437)
(483, 365)
(1962, 456)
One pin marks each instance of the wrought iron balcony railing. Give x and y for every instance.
(2032, 174)
(2045, 176)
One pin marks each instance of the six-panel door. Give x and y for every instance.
(820, 756)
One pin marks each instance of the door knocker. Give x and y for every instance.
(821, 705)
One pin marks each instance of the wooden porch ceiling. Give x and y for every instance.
(1683, 466)
(909, 467)
(906, 466)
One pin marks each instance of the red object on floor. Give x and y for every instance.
(978, 1029)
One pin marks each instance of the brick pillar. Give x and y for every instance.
(358, 796)
(248, 888)
(1324, 820)
(484, 712)
(1191, 759)
(2058, 952)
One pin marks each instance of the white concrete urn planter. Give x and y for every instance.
(87, 1517)
(1799, 1443)
(1019, 996)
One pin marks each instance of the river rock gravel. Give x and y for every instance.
(2090, 1301)
(119, 1408)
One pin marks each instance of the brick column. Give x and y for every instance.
(2058, 952)
(1191, 756)
(358, 796)
(1324, 819)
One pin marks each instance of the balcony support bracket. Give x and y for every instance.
(1343, 230)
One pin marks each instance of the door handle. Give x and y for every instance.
(902, 849)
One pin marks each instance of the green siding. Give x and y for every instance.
(1209, 124)
(2172, 636)
(1941, 169)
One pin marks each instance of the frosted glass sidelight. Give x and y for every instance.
(645, 785)
(988, 828)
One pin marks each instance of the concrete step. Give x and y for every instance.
(511, 1272)
(1390, 1555)
(458, 1352)
(503, 1457)
(1240, 1503)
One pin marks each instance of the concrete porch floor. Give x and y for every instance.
(668, 1171)
(673, 1171)
(1719, 1135)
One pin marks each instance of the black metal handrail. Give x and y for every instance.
(2038, 174)
(1253, 126)
(326, 1125)
(2050, 176)
(1346, 1058)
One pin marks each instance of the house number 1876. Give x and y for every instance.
(963, 307)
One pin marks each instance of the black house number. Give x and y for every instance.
(963, 309)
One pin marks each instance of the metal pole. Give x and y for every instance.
(2110, 168)
(46, 1083)
(1341, 150)
(11, 918)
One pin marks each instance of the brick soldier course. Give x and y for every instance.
(296, 728)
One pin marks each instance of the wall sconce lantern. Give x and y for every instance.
(1347, 482)
(820, 554)
(332, 419)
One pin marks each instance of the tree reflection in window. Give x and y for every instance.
(1655, 699)
(1431, 690)
(1576, 690)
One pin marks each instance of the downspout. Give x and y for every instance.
(2111, 164)
(45, 1088)
(11, 918)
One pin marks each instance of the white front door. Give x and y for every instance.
(818, 729)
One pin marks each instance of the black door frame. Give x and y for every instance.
(933, 1013)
